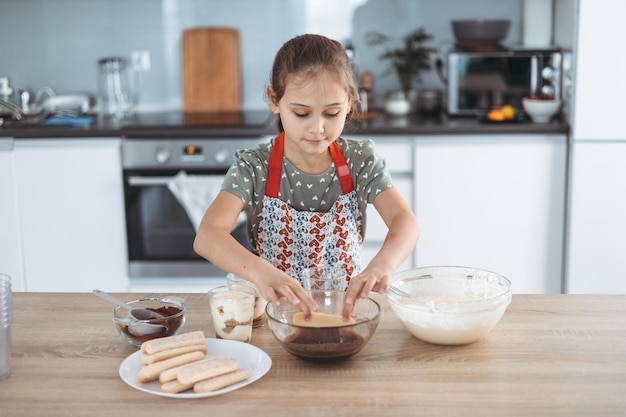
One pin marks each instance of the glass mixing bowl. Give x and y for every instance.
(449, 305)
(324, 343)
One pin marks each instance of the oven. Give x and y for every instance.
(168, 183)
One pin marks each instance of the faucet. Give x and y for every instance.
(25, 111)
(44, 91)
(16, 111)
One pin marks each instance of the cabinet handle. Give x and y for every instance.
(148, 181)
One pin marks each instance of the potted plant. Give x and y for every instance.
(409, 60)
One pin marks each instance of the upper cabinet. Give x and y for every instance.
(600, 84)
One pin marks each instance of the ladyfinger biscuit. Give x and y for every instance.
(320, 320)
(215, 383)
(206, 368)
(170, 374)
(151, 372)
(170, 353)
(174, 386)
(153, 346)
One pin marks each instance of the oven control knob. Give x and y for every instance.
(549, 74)
(221, 155)
(162, 155)
(548, 90)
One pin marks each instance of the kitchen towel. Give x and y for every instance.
(73, 121)
(195, 193)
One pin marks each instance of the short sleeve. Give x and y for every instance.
(369, 169)
(246, 177)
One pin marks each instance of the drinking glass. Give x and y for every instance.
(6, 320)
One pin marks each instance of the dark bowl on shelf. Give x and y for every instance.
(480, 30)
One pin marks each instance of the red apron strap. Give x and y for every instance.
(272, 185)
(341, 166)
(276, 164)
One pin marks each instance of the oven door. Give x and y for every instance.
(160, 233)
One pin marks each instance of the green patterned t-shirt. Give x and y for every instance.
(247, 176)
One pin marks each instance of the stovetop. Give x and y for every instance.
(242, 119)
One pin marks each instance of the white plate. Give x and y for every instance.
(248, 356)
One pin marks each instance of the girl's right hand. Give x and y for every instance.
(278, 284)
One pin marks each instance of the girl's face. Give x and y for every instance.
(313, 112)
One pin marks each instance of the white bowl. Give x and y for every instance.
(541, 110)
(449, 305)
(397, 107)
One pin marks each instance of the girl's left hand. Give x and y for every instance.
(359, 287)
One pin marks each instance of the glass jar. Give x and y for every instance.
(115, 95)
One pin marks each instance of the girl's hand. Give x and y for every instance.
(359, 287)
(277, 284)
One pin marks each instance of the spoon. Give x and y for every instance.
(136, 326)
(401, 293)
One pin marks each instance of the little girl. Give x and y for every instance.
(305, 192)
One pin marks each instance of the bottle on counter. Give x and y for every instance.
(6, 93)
(366, 92)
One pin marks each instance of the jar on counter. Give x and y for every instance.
(115, 93)
(366, 92)
(429, 101)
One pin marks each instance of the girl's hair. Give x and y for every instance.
(307, 55)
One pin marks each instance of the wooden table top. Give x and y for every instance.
(550, 355)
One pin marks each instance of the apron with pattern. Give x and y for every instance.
(294, 240)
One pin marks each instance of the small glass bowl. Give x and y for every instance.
(172, 308)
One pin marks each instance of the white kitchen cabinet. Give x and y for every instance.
(71, 214)
(398, 152)
(495, 202)
(597, 227)
(597, 209)
(599, 84)
(10, 244)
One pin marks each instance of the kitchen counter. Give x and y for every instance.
(550, 355)
(261, 122)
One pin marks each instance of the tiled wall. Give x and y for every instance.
(57, 43)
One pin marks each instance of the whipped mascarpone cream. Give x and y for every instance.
(232, 312)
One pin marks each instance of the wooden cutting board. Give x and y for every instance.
(211, 79)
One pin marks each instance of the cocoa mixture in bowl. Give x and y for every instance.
(173, 310)
(334, 342)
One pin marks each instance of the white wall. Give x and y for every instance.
(58, 43)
